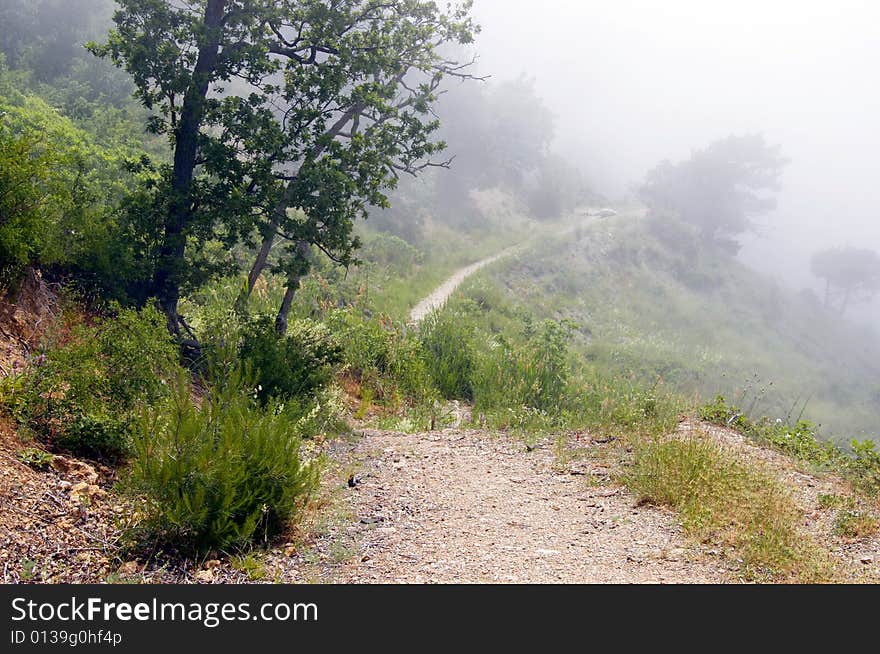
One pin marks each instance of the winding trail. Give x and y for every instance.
(442, 293)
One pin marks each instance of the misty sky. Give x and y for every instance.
(632, 82)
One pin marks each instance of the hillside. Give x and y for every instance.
(647, 301)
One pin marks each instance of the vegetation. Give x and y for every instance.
(83, 392)
(652, 305)
(728, 501)
(850, 274)
(218, 476)
(719, 188)
(272, 127)
(239, 167)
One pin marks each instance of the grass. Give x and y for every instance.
(727, 502)
(855, 524)
(700, 321)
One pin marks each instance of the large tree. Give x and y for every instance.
(263, 101)
(720, 189)
(849, 273)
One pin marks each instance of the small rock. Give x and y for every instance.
(206, 576)
(372, 520)
(85, 492)
(542, 552)
(867, 559)
(674, 554)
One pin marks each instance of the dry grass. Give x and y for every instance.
(723, 501)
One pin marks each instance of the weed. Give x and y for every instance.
(723, 500)
(252, 566)
(35, 458)
(852, 523)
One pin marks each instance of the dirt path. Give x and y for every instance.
(465, 507)
(442, 293)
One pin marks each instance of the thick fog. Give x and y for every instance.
(633, 82)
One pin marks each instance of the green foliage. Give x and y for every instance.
(218, 476)
(23, 170)
(533, 371)
(295, 365)
(861, 466)
(35, 458)
(383, 356)
(852, 523)
(447, 338)
(59, 188)
(349, 121)
(865, 466)
(82, 394)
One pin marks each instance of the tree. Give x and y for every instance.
(262, 100)
(499, 134)
(58, 188)
(849, 273)
(720, 188)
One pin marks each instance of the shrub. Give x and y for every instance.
(447, 338)
(295, 365)
(382, 356)
(532, 372)
(219, 476)
(82, 395)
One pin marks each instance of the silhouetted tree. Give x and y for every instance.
(849, 273)
(720, 188)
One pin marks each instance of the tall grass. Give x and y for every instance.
(723, 500)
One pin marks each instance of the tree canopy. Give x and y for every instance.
(285, 117)
(720, 189)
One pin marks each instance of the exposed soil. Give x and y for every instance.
(469, 507)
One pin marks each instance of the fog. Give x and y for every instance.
(633, 82)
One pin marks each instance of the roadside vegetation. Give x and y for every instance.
(209, 324)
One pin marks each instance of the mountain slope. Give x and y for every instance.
(649, 301)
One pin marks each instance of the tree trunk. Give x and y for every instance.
(827, 292)
(845, 302)
(167, 276)
(302, 252)
(281, 211)
(258, 267)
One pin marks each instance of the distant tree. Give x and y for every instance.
(850, 274)
(499, 135)
(556, 188)
(720, 188)
(47, 36)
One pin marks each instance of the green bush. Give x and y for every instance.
(447, 338)
(218, 476)
(531, 372)
(291, 366)
(82, 395)
(383, 356)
